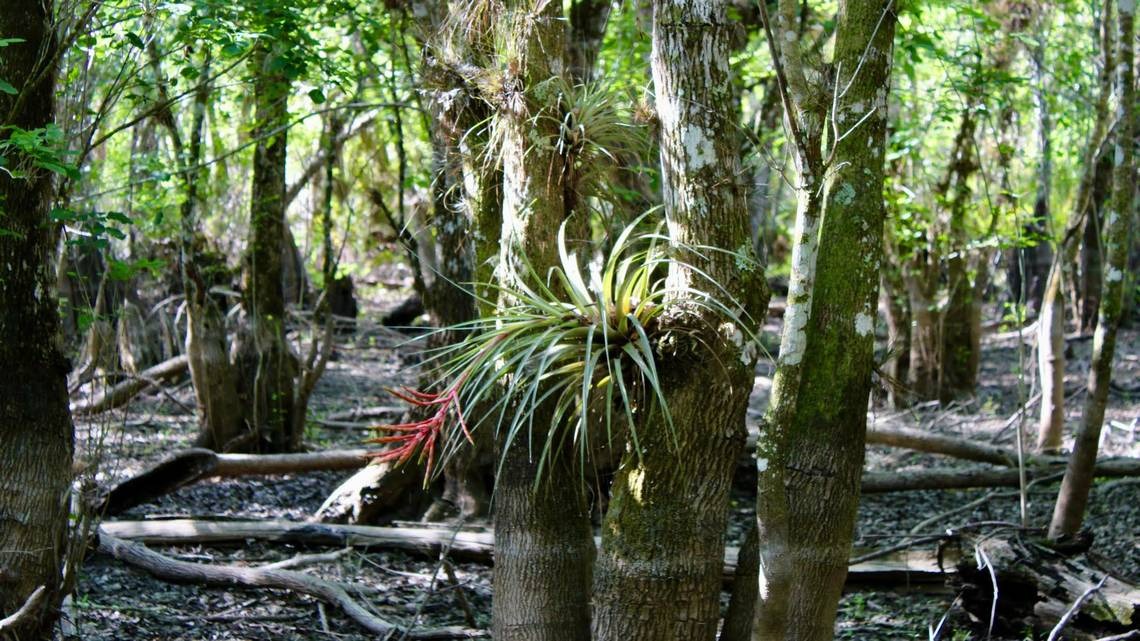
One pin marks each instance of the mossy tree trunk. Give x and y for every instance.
(268, 366)
(658, 575)
(36, 435)
(812, 460)
(1073, 496)
(544, 544)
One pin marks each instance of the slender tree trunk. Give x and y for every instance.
(1073, 497)
(1028, 273)
(960, 344)
(1051, 359)
(36, 435)
(1092, 250)
(922, 374)
(1051, 364)
(897, 308)
(658, 575)
(543, 537)
(825, 432)
(267, 363)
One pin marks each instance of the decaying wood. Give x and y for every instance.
(373, 492)
(121, 393)
(915, 566)
(952, 479)
(195, 464)
(177, 571)
(1037, 588)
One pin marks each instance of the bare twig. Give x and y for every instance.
(1055, 634)
(31, 605)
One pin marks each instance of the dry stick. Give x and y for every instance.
(1071, 612)
(468, 614)
(303, 560)
(169, 569)
(32, 604)
(123, 392)
(905, 545)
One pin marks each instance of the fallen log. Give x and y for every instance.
(361, 413)
(915, 566)
(1040, 589)
(177, 571)
(921, 441)
(192, 465)
(957, 479)
(121, 393)
(465, 545)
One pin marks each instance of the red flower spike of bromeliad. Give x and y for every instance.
(421, 436)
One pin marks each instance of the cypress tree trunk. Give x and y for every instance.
(36, 435)
(960, 343)
(921, 287)
(658, 576)
(267, 363)
(1073, 497)
(464, 200)
(544, 546)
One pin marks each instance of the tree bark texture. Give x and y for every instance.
(657, 577)
(544, 564)
(267, 363)
(811, 464)
(36, 435)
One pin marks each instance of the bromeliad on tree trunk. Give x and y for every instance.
(591, 347)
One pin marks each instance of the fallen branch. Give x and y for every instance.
(955, 479)
(192, 465)
(173, 570)
(121, 393)
(31, 604)
(467, 545)
(363, 413)
(921, 441)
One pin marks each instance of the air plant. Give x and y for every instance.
(580, 342)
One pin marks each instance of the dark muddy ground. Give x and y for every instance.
(114, 602)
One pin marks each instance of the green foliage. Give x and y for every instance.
(24, 150)
(581, 342)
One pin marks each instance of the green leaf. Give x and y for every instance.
(317, 96)
(135, 40)
(7, 88)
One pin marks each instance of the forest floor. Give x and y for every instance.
(115, 602)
